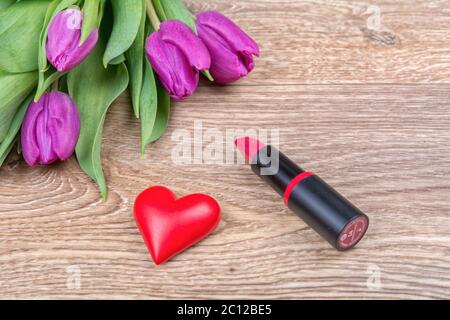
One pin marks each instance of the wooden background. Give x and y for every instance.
(366, 106)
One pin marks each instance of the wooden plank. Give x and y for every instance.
(385, 147)
(339, 41)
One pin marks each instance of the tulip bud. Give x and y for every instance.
(231, 49)
(63, 40)
(50, 129)
(177, 55)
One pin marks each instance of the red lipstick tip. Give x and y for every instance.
(249, 147)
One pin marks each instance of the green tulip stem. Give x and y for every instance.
(55, 85)
(208, 75)
(43, 86)
(151, 13)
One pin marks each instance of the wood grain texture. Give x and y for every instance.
(369, 110)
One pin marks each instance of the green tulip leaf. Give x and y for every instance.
(101, 12)
(135, 61)
(148, 106)
(94, 89)
(118, 60)
(14, 88)
(6, 150)
(13, 132)
(175, 9)
(127, 19)
(162, 114)
(6, 3)
(90, 16)
(20, 26)
(42, 57)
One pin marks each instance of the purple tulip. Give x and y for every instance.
(63, 40)
(50, 129)
(231, 49)
(177, 55)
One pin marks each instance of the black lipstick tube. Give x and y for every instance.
(326, 211)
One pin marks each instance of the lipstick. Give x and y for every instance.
(325, 210)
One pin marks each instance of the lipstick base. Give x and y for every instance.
(331, 215)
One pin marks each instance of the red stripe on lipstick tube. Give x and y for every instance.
(325, 210)
(293, 184)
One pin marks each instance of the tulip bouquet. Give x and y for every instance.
(64, 62)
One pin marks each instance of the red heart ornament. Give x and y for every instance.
(170, 225)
